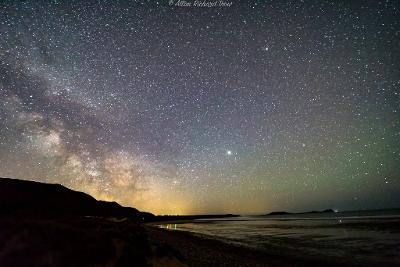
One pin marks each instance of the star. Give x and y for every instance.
(125, 108)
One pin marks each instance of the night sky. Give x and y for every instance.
(248, 108)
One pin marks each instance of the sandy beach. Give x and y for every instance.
(197, 251)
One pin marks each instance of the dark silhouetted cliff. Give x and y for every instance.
(40, 199)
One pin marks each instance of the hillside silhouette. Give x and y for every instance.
(51, 225)
(41, 199)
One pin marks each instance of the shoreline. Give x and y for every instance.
(199, 250)
(273, 254)
(155, 223)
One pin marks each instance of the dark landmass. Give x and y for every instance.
(278, 213)
(41, 199)
(171, 218)
(289, 213)
(50, 225)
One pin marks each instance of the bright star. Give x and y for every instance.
(229, 152)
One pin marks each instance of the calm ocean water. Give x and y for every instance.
(370, 237)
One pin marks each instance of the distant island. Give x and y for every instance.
(289, 213)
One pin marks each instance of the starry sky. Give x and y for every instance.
(176, 108)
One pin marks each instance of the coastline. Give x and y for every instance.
(197, 251)
(50, 225)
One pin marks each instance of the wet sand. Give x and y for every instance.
(197, 251)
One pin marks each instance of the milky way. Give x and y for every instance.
(243, 108)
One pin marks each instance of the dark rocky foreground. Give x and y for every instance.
(71, 242)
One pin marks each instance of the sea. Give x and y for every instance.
(369, 237)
